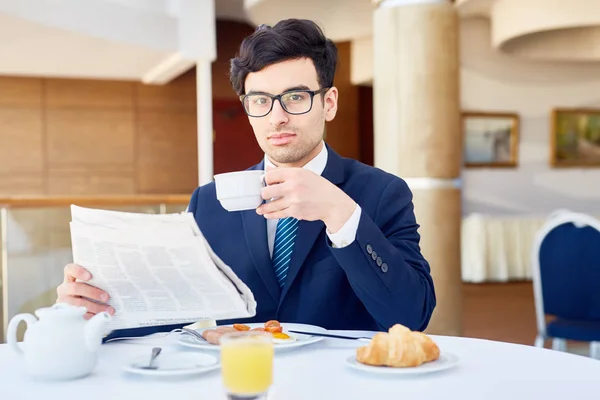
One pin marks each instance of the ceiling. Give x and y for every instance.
(38, 49)
(231, 10)
(32, 47)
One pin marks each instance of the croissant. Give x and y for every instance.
(399, 347)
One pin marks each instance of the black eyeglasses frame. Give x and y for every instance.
(278, 97)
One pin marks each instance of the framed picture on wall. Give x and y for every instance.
(575, 140)
(490, 139)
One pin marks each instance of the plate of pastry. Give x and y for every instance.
(280, 332)
(401, 351)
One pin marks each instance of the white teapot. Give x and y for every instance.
(61, 344)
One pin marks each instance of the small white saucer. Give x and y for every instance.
(174, 364)
(445, 361)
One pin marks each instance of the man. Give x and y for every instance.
(338, 247)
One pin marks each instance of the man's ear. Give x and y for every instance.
(331, 104)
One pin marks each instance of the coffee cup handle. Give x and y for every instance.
(262, 179)
(264, 184)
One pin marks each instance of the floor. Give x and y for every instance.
(504, 312)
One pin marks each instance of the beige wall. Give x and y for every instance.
(496, 82)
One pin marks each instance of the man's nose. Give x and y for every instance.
(278, 116)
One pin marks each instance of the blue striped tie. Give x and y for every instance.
(285, 236)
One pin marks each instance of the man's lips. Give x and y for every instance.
(280, 135)
(279, 139)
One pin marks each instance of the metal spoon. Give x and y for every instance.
(155, 352)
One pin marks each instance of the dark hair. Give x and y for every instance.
(287, 40)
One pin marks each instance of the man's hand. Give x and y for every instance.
(304, 195)
(79, 293)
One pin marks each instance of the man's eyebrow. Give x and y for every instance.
(298, 87)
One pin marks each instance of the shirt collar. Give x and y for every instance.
(316, 165)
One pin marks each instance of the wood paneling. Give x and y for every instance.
(235, 147)
(178, 95)
(20, 92)
(343, 131)
(80, 138)
(167, 158)
(91, 181)
(74, 93)
(229, 36)
(22, 183)
(33, 201)
(365, 116)
(21, 148)
(63, 136)
(21, 136)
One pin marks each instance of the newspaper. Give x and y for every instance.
(158, 269)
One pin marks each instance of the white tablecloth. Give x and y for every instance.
(497, 248)
(487, 370)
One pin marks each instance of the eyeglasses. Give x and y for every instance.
(294, 102)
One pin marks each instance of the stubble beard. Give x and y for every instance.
(292, 153)
(295, 152)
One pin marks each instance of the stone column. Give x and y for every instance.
(417, 132)
(197, 40)
(204, 116)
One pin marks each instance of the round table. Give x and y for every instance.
(486, 370)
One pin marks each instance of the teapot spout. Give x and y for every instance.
(95, 329)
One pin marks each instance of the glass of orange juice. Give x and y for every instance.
(247, 364)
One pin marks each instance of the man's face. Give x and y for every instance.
(290, 140)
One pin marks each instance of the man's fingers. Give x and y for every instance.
(84, 290)
(277, 215)
(276, 175)
(91, 307)
(88, 315)
(271, 192)
(273, 206)
(74, 271)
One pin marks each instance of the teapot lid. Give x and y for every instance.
(61, 310)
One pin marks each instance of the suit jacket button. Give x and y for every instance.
(379, 261)
(374, 256)
(369, 249)
(384, 267)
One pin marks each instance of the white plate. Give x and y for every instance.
(445, 361)
(301, 340)
(174, 364)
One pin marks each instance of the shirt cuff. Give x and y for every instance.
(347, 234)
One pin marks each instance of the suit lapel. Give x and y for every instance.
(309, 231)
(255, 230)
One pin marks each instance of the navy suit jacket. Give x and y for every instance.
(378, 280)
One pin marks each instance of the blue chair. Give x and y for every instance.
(566, 280)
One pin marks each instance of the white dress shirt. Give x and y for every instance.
(341, 238)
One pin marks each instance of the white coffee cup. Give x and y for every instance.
(240, 190)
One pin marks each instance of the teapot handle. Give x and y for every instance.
(11, 331)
